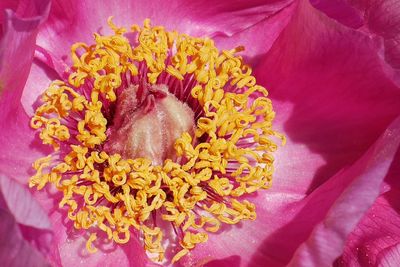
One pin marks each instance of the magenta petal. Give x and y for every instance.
(14, 250)
(328, 237)
(376, 239)
(258, 38)
(341, 11)
(21, 204)
(6, 4)
(375, 17)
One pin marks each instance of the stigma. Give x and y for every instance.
(159, 128)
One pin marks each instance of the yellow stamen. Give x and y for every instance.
(89, 246)
(121, 195)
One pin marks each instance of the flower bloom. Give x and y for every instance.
(336, 100)
(130, 152)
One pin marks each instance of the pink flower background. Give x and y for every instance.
(332, 68)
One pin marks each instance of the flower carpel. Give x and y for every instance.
(147, 121)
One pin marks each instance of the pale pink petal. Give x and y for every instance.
(246, 242)
(14, 250)
(40, 77)
(21, 204)
(74, 21)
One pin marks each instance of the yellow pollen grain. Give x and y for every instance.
(119, 196)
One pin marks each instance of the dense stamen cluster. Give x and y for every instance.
(227, 156)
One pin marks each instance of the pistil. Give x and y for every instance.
(147, 121)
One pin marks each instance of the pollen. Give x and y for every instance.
(120, 173)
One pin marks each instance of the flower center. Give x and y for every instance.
(147, 121)
(129, 153)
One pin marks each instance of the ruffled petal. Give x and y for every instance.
(18, 145)
(14, 250)
(40, 77)
(375, 240)
(74, 21)
(375, 235)
(33, 222)
(342, 11)
(328, 237)
(15, 60)
(258, 38)
(21, 204)
(375, 18)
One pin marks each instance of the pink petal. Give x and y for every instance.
(14, 250)
(40, 77)
(258, 38)
(333, 100)
(332, 97)
(198, 18)
(28, 8)
(15, 60)
(376, 18)
(375, 240)
(6, 4)
(390, 257)
(18, 147)
(328, 237)
(34, 225)
(323, 219)
(21, 204)
(342, 11)
(69, 245)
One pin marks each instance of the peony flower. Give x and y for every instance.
(334, 90)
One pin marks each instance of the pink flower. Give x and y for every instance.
(332, 74)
